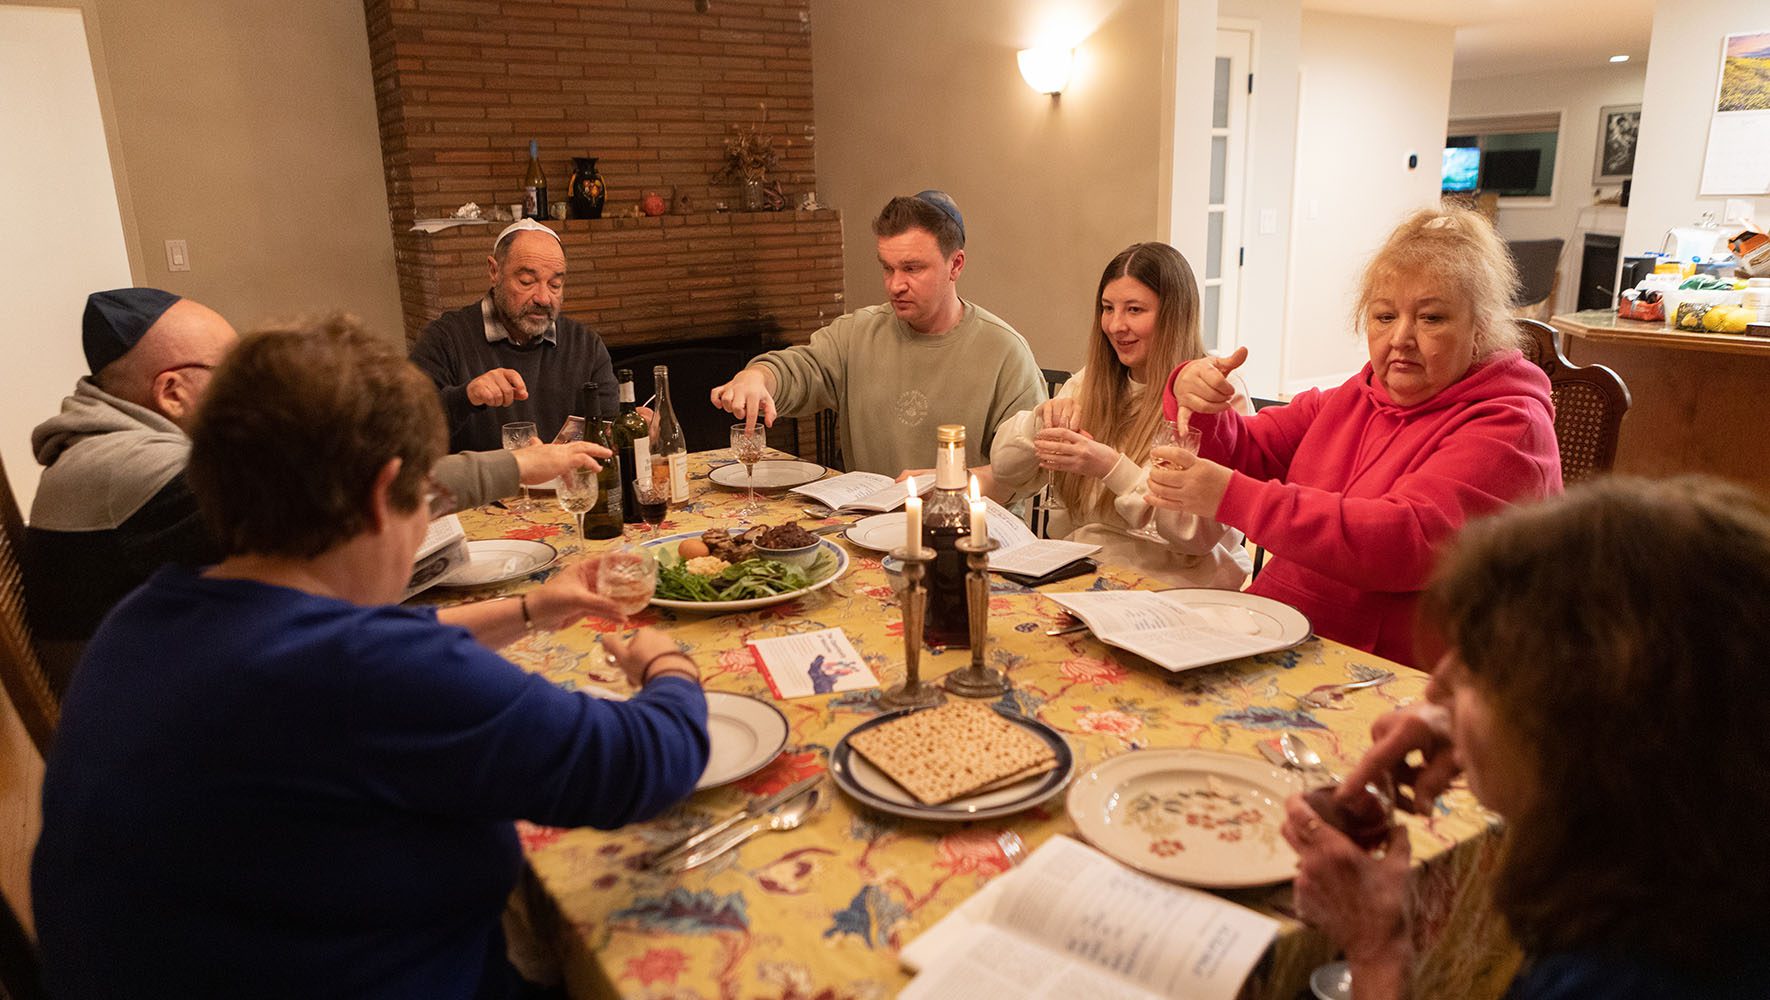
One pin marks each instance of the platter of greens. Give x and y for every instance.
(741, 586)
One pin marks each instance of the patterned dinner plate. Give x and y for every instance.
(773, 474)
(1192, 816)
(855, 775)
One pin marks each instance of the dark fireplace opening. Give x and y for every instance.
(697, 366)
(1599, 255)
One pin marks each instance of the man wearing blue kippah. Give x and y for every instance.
(895, 372)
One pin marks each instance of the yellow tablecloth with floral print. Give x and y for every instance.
(822, 911)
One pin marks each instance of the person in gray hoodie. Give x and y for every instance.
(112, 505)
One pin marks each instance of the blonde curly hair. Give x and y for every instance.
(1456, 247)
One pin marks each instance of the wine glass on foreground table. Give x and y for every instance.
(653, 500)
(577, 494)
(517, 435)
(747, 445)
(627, 575)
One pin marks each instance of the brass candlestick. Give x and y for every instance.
(913, 692)
(977, 680)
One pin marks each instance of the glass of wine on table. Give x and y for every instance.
(747, 445)
(577, 494)
(653, 501)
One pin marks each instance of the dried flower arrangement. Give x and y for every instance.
(749, 154)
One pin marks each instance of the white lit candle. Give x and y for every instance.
(979, 518)
(912, 525)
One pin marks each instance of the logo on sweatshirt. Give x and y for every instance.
(912, 407)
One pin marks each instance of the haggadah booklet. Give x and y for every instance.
(1071, 922)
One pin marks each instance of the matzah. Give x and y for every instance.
(942, 753)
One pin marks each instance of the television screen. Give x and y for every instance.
(1510, 171)
(1462, 167)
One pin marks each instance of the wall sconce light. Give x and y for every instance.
(1046, 70)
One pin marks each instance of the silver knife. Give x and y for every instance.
(756, 808)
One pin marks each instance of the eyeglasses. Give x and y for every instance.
(439, 500)
(179, 368)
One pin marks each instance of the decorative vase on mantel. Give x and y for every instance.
(753, 201)
(588, 191)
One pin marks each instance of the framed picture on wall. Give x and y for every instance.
(1619, 126)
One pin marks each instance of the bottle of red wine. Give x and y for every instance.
(534, 186)
(631, 433)
(945, 520)
(604, 519)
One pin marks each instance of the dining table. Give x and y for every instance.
(823, 911)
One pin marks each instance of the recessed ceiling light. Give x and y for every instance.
(1619, 58)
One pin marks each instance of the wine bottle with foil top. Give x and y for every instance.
(534, 185)
(631, 436)
(604, 519)
(946, 518)
(669, 447)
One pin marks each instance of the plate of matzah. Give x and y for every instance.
(962, 760)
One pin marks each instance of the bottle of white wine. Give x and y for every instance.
(632, 438)
(669, 448)
(534, 189)
(604, 519)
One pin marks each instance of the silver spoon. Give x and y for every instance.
(1302, 756)
(787, 817)
(1324, 695)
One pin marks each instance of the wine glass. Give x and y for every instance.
(1168, 434)
(577, 494)
(517, 435)
(627, 575)
(748, 445)
(653, 499)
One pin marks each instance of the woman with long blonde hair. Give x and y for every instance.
(1091, 443)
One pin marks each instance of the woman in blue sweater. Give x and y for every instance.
(1605, 692)
(269, 780)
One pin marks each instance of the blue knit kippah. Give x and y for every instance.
(944, 202)
(116, 320)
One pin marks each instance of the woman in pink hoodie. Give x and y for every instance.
(1354, 490)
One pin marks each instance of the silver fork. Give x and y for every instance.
(1324, 695)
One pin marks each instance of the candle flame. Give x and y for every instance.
(909, 486)
(976, 491)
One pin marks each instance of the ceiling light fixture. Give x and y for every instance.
(1619, 58)
(1046, 70)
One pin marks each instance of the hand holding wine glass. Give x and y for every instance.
(747, 443)
(627, 575)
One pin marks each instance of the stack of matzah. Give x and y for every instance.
(959, 748)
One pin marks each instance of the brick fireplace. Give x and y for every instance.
(652, 88)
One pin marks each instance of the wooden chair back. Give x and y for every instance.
(1590, 402)
(21, 670)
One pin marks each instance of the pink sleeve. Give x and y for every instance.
(1389, 542)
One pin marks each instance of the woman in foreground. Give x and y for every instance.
(1354, 489)
(1604, 691)
(1092, 442)
(268, 781)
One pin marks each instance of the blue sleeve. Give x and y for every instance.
(441, 724)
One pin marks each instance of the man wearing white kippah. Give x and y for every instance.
(895, 372)
(511, 356)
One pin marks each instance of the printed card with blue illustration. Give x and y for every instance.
(812, 663)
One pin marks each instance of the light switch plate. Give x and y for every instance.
(1268, 221)
(178, 255)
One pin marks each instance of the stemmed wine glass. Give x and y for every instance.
(577, 494)
(1170, 434)
(520, 435)
(627, 575)
(748, 445)
(653, 500)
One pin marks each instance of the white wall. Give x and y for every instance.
(66, 231)
(1271, 181)
(1570, 211)
(1050, 191)
(1683, 67)
(1373, 91)
(1189, 40)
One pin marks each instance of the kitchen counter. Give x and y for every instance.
(1697, 398)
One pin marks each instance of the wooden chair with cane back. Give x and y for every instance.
(1590, 402)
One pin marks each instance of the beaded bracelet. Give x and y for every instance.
(528, 624)
(645, 674)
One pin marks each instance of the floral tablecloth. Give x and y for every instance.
(822, 911)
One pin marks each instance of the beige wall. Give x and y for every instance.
(1373, 91)
(247, 127)
(926, 93)
(1683, 66)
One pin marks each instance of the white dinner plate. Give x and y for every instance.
(720, 607)
(881, 532)
(1193, 816)
(497, 560)
(857, 776)
(1247, 614)
(773, 474)
(744, 735)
